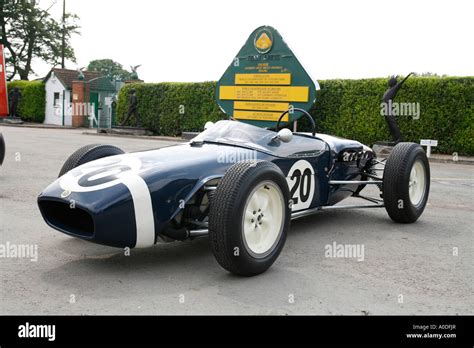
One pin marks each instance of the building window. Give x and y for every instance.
(56, 99)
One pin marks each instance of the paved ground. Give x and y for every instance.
(413, 264)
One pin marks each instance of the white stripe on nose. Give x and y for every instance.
(142, 205)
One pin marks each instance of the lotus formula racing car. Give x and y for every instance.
(236, 183)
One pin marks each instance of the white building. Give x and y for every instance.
(58, 84)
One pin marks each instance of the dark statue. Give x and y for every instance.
(132, 108)
(134, 74)
(387, 98)
(14, 97)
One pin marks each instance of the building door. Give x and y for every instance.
(94, 102)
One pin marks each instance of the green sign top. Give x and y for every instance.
(264, 80)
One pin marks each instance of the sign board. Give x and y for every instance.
(3, 86)
(428, 142)
(264, 80)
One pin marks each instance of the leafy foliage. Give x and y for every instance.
(112, 69)
(33, 100)
(172, 108)
(345, 108)
(351, 109)
(29, 32)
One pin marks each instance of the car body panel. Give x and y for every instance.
(128, 200)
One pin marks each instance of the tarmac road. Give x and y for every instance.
(421, 268)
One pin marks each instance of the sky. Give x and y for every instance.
(192, 41)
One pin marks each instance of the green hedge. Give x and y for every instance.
(346, 108)
(172, 108)
(351, 109)
(33, 101)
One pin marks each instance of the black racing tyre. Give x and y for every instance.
(406, 182)
(249, 217)
(2, 149)
(87, 154)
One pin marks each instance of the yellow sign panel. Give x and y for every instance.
(262, 79)
(259, 115)
(264, 106)
(271, 93)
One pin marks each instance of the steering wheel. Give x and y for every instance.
(313, 125)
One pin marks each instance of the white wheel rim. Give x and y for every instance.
(417, 183)
(263, 219)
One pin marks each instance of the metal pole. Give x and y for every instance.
(428, 151)
(63, 46)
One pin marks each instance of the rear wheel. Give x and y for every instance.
(87, 154)
(406, 182)
(249, 217)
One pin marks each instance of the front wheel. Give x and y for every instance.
(249, 217)
(87, 154)
(406, 182)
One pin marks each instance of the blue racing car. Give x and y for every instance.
(238, 184)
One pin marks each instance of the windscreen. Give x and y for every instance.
(242, 134)
(235, 132)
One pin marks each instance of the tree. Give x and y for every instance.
(29, 32)
(111, 69)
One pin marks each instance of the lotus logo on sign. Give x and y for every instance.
(263, 41)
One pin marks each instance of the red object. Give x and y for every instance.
(3, 86)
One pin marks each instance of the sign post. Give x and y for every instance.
(264, 80)
(3, 86)
(429, 144)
